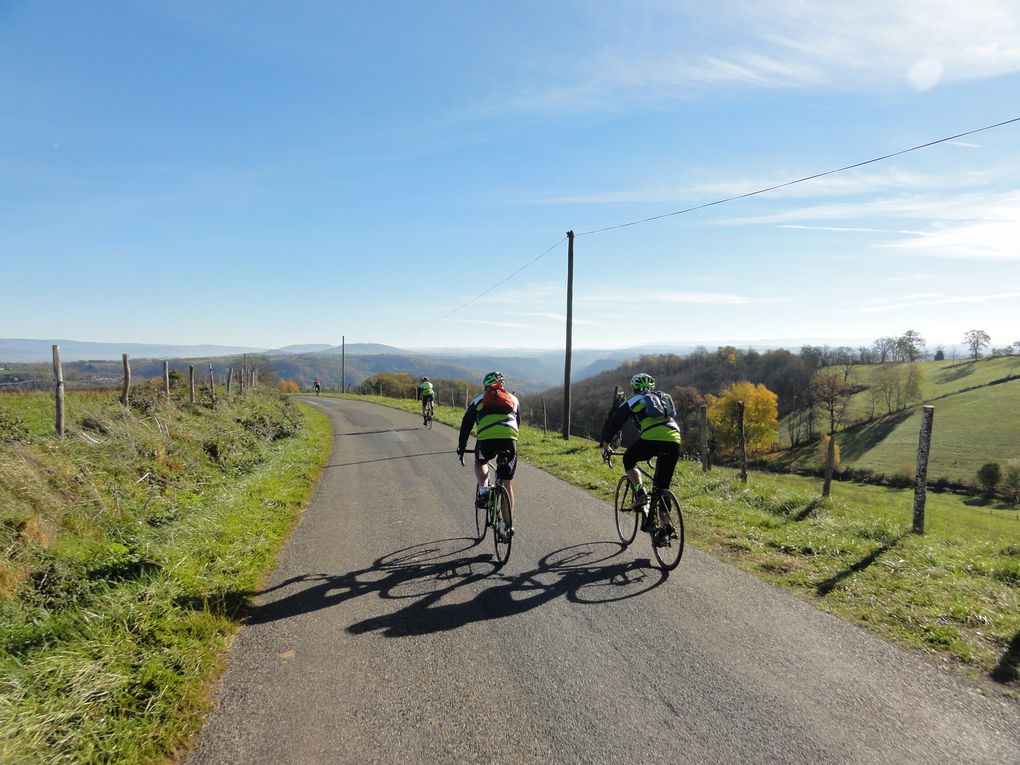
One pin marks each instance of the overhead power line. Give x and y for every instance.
(702, 207)
(480, 295)
(798, 180)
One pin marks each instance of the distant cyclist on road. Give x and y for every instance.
(653, 412)
(427, 394)
(317, 386)
(496, 417)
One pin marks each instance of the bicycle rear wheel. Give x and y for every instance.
(481, 518)
(668, 537)
(503, 539)
(626, 518)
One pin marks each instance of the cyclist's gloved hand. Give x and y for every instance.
(460, 451)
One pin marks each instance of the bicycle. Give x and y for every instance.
(428, 414)
(496, 512)
(667, 520)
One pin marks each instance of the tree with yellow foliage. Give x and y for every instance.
(761, 416)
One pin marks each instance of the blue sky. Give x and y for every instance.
(264, 174)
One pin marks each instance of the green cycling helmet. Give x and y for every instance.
(493, 380)
(642, 382)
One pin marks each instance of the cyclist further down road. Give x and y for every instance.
(653, 412)
(427, 394)
(496, 417)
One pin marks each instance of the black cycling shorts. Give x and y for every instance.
(506, 465)
(668, 453)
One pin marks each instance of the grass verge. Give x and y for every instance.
(951, 592)
(122, 542)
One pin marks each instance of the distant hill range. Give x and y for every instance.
(525, 369)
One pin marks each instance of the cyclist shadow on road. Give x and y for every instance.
(426, 574)
(585, 573)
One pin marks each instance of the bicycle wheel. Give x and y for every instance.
(626, 519)
(670, 530)
(503, 541)
(481, 518)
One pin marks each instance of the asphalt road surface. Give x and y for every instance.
(387, 635)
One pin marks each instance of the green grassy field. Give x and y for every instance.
(951, 592)
(130, 547)
(970, 427)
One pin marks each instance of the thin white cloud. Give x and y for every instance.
(849, 229)
(668, 297)
(508, 324)
(866, 45)
(898, 304)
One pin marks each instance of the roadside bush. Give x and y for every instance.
(12, 428)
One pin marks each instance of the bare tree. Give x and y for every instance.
(885, 348)
(976, 339)
(910, 345)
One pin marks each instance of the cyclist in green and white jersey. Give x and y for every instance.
(495, 415)
(652, 411)
(427, 393)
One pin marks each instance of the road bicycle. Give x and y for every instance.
(428, 414)
(667, 521)
(496, 511)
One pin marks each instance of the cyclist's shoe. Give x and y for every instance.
(664, 536)
(504, 534)
(647, 522)
(641, 500)
(481, 498)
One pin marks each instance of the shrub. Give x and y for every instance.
(1011, 480)
(12, 428)
(989, 475)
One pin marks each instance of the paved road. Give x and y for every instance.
(387, 636)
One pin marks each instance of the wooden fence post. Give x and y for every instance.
(743, 442)
(830, 458)
(191, 383)
(921, 473)
(58, 374)
(240, 381)
(705, 465)
(125, 392)
(166, 378)
(212, 385)
(230, 380)
(545, 416)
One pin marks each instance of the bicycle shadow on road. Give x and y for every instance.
(428, 574)
(583, 574)
(328, 590)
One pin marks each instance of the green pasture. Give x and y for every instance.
(971, 427)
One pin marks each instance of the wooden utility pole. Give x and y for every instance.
(58, 374)
(125, 392)
(343, 363)
(166, 378)
(743, 441)
(570, 327)
(921, 473)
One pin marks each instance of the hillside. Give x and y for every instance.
(977, 420)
